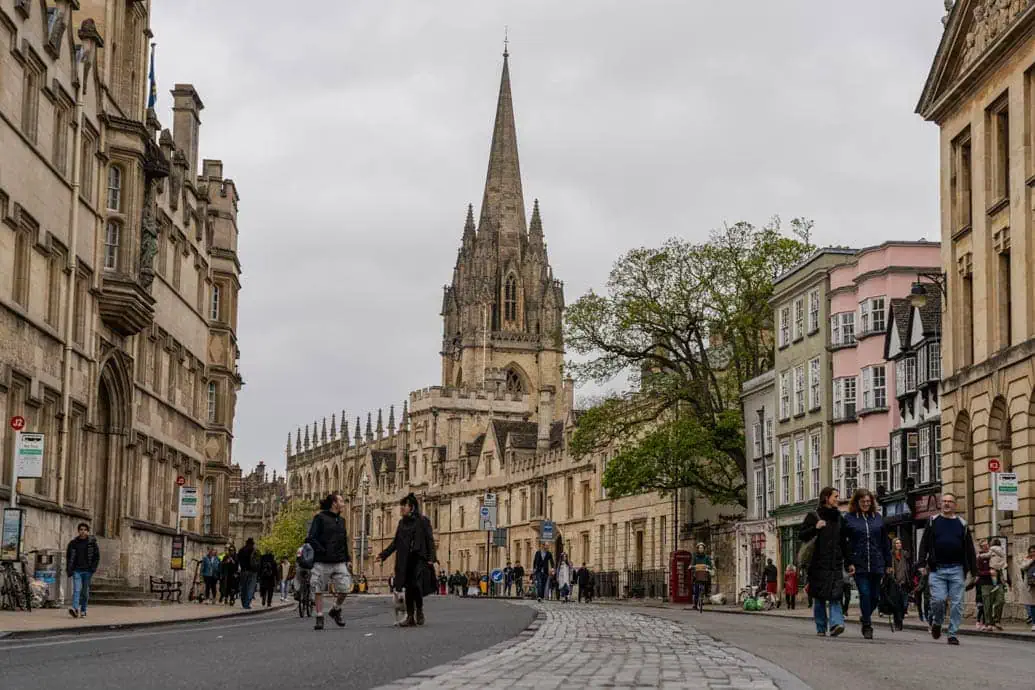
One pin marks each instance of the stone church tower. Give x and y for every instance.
(502, 312)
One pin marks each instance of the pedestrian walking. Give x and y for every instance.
(991, 586)
(947, 554)
(415, 559)
(82, 557)
(508, 579)
(1028, 585)
(542, 564)
(284, 568)
(210, 574)
(790, 586)
(248, 559)
(901, 583)
(564, 578)
(442, 582)
(229, 577)
(267, 578)
(582, 577)
(330, 542)
(823, 555)
(519, 579)
(770, 574)
(869, 553)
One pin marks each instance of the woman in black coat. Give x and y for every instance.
(415, 561)
(826, 568)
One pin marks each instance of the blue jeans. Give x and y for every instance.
(819, 614)
(248, 581)
(947, 583)
(81, 589)
(1031, 612)
(868, 585)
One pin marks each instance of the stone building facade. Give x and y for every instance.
(756, 533)
(119, 278)
(255, 501)
(501, 421)
(980, 94)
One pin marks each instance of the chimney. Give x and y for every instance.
(187, 107)
(545, 417)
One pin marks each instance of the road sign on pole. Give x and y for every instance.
(487, 513)
(28, 454)
(546, 533)
(994, 465)
(188, 501)
(17, 422)
(1006, 488)
(180, 480)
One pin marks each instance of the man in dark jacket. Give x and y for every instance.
(947, 555)
(542, 564)
(582, 579)
(248, 559)
(330, 542)
(81, 560)
(519, 579)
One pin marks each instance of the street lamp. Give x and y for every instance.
(918, 293)
(364, 485)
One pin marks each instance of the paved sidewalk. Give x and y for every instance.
(1016, 630)
(588, 646)
(52, 621)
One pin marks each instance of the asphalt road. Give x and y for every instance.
(908, 659)
(277, 650)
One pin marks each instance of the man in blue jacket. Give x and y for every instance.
(210, 574)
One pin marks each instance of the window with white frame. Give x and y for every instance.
(851, 470)
(925, 454)
(799, 467)
(913, 455)
(758, 493)
(936, 454)
(842, 328)
(880, 468)
(814, 448)
(769, 436)
(756, 435)
(213, 400)
(785, 471)
(896, 462)
(909, 373)
(875, 391)
(770, 489)
(921, 366)
(813, 311)
(114, 198)
(814, 384)
(112, 231)
(934, 361)
(214, 306)
(864, 317)
(866, 467)
(799, 318)
(837, 474)
(872, 315)
(785, 327)
(785, 395)
(844, 397)
(799, 389)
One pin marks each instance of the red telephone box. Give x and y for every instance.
(679, 591)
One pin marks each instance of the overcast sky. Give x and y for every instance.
(358, 131)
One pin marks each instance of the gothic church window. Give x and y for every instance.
(510, 302)
(513, 382)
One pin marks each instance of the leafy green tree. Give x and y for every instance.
(689, 324)
(289, 529)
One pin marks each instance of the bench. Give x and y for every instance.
(166, 588)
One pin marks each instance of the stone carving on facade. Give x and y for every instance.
(156, 167)
(991, 18)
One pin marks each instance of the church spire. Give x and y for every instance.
(503, 204)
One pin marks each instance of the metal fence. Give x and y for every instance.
(632, 584)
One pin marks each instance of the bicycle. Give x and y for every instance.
(305, 594)
(15, 593)
(699, 597)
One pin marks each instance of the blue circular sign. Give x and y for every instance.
(497, 575)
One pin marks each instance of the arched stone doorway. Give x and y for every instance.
(1000, 437)
(114, 396)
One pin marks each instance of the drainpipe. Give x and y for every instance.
(91, 40)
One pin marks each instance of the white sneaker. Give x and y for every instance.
(1033, 628)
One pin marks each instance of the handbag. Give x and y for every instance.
(426, 579)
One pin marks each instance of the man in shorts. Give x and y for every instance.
(330, 542)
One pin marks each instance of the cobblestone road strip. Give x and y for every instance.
(577, 646)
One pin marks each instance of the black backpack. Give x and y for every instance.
(268, 569)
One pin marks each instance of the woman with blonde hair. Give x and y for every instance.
(869, 553)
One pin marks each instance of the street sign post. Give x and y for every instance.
(28, 454)
(188, 502)
(181, 480)
(176, 557)
(1006, 490)
(546, 532)
(17, 422)
(994, 465)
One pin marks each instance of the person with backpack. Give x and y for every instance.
(267, 578)
(1028, 585)
(823, 555)
(947, 554)
(330, 543)
(248, 559)
(869, 553)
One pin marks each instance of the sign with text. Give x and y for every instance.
(188, 501)
(28, 454)
(176, 557)
(487, 513)
(11, 535)
(546, 534)
(1006, 490)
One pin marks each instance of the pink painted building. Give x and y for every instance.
(864, 404)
